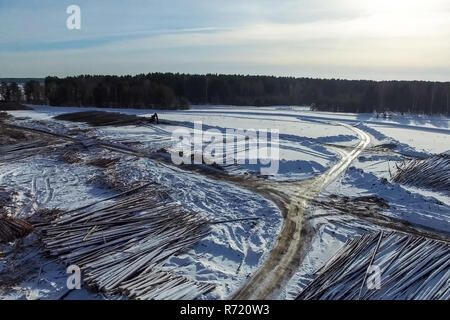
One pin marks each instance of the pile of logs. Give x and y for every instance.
(166, 287)
(365, 205)
(410, 268)
(4, 116)
(13, 228)
(103, 162)
(121, 244)
(103, 118)
(433, 173)
(22, 150)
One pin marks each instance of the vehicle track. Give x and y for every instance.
(285, 257)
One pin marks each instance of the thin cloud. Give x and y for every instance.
(313, 38)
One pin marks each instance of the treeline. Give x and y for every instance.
(172, 91)
(31, 92)
(418, 97)
(112, 91)
(10, 92)
(321, 94)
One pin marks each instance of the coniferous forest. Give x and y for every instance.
(177, 91)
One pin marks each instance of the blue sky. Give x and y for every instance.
(355, 39)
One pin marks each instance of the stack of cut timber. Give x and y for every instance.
(103, 118)
(120, 244)
(433, 173)
(162, 285)
(13, 228)
(23, 150)
(402, 267)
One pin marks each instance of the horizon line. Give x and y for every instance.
(227, 74)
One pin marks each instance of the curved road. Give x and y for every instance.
(286, 255)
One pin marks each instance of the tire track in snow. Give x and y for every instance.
(49, 190)
(39, 197)
(286, 255)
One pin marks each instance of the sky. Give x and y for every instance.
(347, 39)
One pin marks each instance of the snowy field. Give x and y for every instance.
(310, 143)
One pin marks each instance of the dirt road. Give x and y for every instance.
(286, 255)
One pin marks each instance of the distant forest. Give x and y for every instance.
(174, 91)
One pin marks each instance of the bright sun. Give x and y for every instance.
(402, 17)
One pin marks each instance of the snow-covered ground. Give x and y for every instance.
(235, 250)
(427, 141)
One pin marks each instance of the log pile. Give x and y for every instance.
(13, 228)
(17, 143)
(103, 118)
(364, 205)
(411, 268)
(4, 116)
(11, 105)
(120, 244)
(10, 136)
(103, 162)
(19, 151)
(164, 286)
(433, 173)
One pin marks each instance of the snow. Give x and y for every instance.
(430, 142)
(235, 250)
(46, 182)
